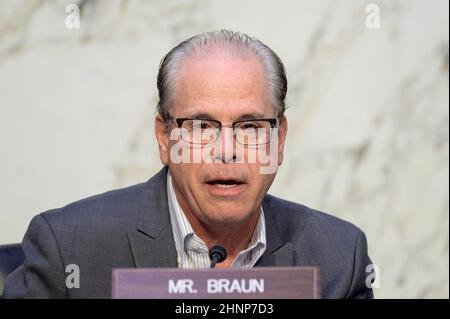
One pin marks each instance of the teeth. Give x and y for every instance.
(224, 185)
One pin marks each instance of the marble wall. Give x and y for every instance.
(368, 116)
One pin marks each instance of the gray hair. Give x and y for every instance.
(238, 44)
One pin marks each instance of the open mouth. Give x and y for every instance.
(225, 183)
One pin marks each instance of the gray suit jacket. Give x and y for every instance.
(130, 227)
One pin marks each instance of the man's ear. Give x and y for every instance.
(282, 133)
(162, 136)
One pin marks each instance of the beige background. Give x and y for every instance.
(368, 139)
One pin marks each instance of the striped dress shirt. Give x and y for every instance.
(192, 251)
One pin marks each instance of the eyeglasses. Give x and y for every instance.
(253, 132)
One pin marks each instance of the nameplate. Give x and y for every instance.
(254, 283)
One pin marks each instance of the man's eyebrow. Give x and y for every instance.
(201, 116)
(251, 116)
(244, 117)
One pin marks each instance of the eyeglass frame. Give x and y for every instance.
(274, 123)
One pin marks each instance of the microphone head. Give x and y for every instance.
(218, 252)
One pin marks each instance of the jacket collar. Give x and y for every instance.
(279, 251)
(152, 242)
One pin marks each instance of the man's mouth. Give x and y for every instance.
(225, 186)
(225, 183)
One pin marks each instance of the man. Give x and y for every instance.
(221, 111)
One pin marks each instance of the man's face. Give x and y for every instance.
(228, 89)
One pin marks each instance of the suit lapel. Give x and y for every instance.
(150, 252)
(151, 241)
(278, 252)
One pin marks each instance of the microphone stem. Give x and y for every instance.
(213, 262)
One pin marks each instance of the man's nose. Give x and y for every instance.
(227, 149)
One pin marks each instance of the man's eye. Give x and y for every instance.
(249, 125)
(201, 125)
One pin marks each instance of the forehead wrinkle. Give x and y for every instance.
(221, 78)
(227, 54)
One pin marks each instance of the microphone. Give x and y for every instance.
(217, 254)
